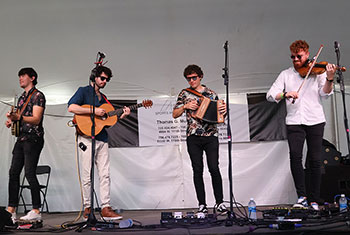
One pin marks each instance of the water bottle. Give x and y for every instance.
(252, 209)
(343, 203)
(127, 223)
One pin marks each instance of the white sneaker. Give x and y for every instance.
(301, 203)
(202, 209)
(220, 208)
(13, 217)
(32, 215)
(314, 206)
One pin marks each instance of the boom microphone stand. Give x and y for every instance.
(230, 215)
(340, 80)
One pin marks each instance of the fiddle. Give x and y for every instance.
(318, 68)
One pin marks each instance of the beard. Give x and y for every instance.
(101, 86)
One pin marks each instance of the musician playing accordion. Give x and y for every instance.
(201, 136)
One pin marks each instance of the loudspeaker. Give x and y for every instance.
(336, 180)
(5, 218)
(331, 156)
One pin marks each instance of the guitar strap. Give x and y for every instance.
(104, 97)
(26, 103)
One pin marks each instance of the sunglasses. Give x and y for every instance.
(293, 57)
(105, 78)
(194, 78)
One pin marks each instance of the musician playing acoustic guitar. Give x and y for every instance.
(30, 142)
(100, 76)
(201, 136)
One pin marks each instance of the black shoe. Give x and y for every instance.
(202, 209)
(220, 208)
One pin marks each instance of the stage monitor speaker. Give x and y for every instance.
(330, 155)
(5, 218)
(335, 181)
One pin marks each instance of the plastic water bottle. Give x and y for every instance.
(127, 223)
(343, 203)
(252, 209)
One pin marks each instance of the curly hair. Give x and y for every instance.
(192, 68)
(103, 69)
(298, 45)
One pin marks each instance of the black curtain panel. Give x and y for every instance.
(266, 119)
(125, 132)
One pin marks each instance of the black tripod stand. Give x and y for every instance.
(230, 215)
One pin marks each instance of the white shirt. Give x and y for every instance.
(307, 109)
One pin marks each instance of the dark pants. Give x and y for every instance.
(297, 134)
(25, 153)
(195, 147)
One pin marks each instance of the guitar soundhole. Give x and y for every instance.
(104, 117)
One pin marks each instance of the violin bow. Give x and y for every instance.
(310, 69)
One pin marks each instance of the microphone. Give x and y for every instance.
(336, 45)
(102, 55)
(225, 45)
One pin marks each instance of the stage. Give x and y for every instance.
(149, 222)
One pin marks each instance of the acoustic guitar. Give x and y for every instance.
(83, 122)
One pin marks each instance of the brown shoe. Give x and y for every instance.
(86, 213)
(109, 214)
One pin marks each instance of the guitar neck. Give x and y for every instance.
(119, 111)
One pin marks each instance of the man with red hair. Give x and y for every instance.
(305, 119)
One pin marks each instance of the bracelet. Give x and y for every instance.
(283, 95)
(328, 80)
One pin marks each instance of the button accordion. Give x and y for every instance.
(208, 109)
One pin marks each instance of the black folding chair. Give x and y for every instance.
(45, 171)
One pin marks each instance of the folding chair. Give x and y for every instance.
(44, 170)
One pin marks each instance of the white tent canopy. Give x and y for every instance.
(149, 42)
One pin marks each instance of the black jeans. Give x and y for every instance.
(195, 147)
(297, 134)
(25, 153)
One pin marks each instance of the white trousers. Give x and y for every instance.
(102, 169)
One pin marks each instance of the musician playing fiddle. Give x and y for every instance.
(201, 136)
(305, 119)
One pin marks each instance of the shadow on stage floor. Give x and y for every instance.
(149, 222)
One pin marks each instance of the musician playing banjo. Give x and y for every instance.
(201, 136)
(30, 142)
(100, 76)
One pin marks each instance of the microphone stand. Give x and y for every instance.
(340, 80)
(230, 215)
(91, 217)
